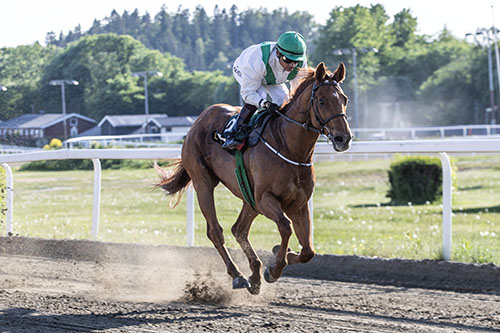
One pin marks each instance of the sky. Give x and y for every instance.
(26, 21)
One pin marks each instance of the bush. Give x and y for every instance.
(55, 143)
(57, 165)
(65, 165)
(415, 179)
(85, 164)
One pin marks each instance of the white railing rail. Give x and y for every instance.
(153, 139)
(439, 147)
(172, 138)
(426, 132)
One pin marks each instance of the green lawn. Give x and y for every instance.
(351, 211)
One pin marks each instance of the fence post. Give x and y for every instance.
(447, 223)
(311, 212)
(9, 200)
(97, 197)
(190, 215)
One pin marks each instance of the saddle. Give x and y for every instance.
(249, 133)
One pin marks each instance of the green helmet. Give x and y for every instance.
(292, 45)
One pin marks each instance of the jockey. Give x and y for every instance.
(262, 71)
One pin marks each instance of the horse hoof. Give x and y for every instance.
(276, 249)
(254, 288)
(268, 277)
(240, 282)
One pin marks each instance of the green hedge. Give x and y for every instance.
(415, 179)
(64, 165)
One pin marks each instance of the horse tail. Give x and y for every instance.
(174, 183)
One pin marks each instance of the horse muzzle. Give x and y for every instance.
(341, 142)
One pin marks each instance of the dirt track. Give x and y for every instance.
(61, 286)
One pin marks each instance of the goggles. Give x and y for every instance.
(288, 61)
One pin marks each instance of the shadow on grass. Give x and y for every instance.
(470, 188)
(382, 204)
(492, 209)
(475, 210)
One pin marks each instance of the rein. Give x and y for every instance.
(283, 157)
(306, 126)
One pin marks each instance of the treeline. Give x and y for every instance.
(409, 79)
(204, 42)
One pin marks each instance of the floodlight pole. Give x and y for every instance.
(62, 83)
(355, 77)
(486, 38)
(497, 56)
(146, 103)
(353, 51)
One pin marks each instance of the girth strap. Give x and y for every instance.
(242, 178)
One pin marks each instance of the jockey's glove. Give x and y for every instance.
(271, 106)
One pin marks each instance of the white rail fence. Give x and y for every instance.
(132, 140)
(174, 138)
(439, 147)
(401, 133)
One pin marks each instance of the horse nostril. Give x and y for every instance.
(339, 139)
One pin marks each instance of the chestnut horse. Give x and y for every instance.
(279, 169)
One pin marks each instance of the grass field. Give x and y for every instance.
(351, 211)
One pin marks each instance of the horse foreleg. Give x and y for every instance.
(270, 207)
(215, 234)
(240, 231)
(302, 226)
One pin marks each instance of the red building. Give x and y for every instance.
(29, 129)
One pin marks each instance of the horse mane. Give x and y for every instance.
(306, 77)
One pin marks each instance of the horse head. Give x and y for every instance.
(328, 105)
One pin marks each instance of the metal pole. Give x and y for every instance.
(497, 56)
(9, 200)
(447, 222)
(311, 214)
(190, 215)
(64, 110)
(96, 208)
(355, 77)
(146, 104)
(490, 78)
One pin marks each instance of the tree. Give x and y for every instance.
(21, 69)
(452, 94)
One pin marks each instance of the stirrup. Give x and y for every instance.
(231, 143)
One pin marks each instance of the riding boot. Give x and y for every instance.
(243, 116)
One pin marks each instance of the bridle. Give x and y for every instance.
(314, 105)
(323, 129)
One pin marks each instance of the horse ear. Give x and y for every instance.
(320, 72)
(339, 74)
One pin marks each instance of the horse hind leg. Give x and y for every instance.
(240, 231)
(205, 194)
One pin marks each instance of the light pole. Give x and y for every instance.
(354, 51)
(485, 33)
(146, 103)
(62, 83)
(497, 56)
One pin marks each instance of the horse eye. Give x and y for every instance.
(321, 102)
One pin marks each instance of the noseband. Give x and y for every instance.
(323, 130)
